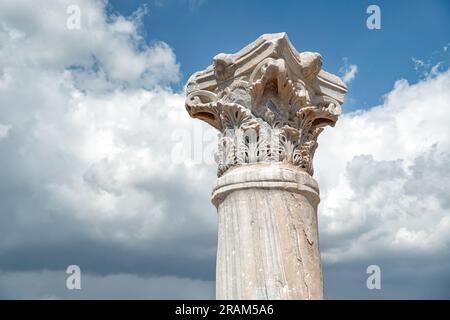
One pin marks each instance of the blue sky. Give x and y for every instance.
(198, 30)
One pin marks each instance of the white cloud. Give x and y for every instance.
(348, 71)
(104, 143)
(384, 176)
(110, 47)
(90, 157)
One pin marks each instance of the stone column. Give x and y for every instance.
(269, 103)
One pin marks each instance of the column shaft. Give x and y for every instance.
(268, 240)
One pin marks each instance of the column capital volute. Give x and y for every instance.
(266, 86)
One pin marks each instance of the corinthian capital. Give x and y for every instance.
(268, 101)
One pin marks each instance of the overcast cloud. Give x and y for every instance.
(87, 177)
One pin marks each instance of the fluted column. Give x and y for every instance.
(269, 103)
(268, 244)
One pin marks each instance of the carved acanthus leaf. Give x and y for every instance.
(268, 89)
(234, 116)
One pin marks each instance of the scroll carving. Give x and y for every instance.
(269, 103)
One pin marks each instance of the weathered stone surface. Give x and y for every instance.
(269, 103)
(267, 246)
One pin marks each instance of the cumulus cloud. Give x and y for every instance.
(107, 49)
(385, 184)
(86, 172)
